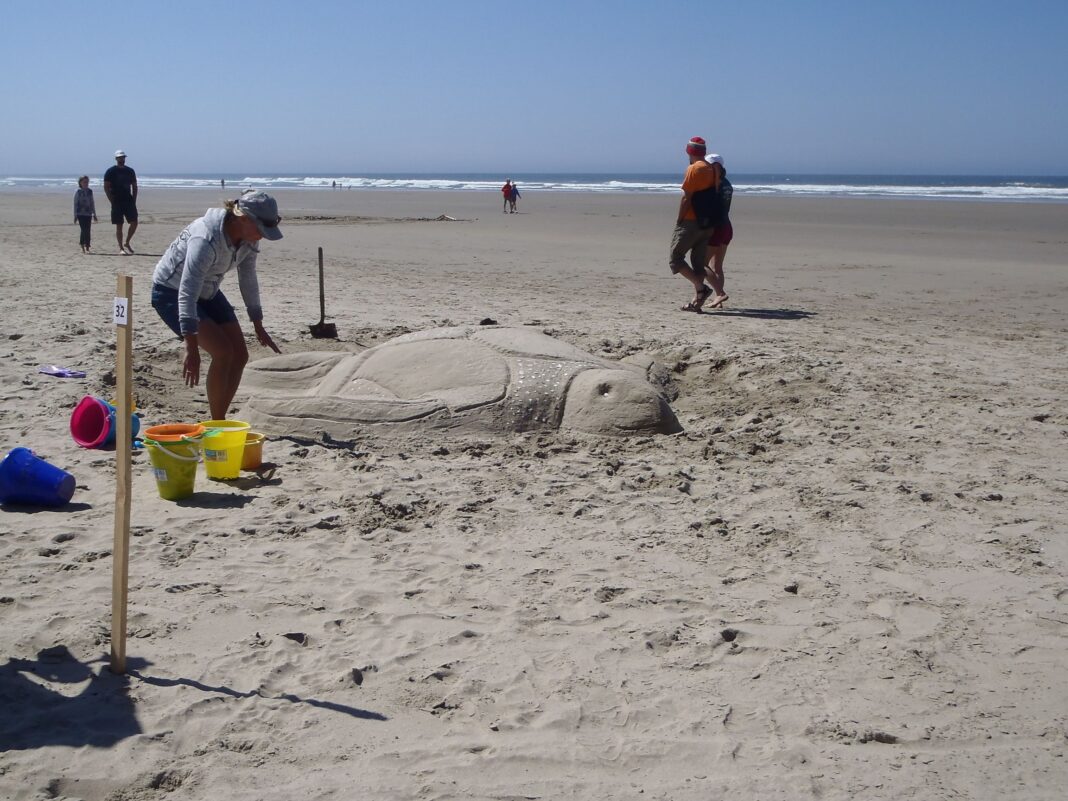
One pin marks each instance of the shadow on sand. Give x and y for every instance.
(35, 715)
(353, 711)
(31, 509)
(215, 500)
(762, 314)
(102, 712)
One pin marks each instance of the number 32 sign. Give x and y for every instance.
(121, 311)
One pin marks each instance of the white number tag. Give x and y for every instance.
(121, 317)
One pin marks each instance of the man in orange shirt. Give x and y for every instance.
(691, 229)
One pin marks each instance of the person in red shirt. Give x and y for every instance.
(691, 233)
(506, 190)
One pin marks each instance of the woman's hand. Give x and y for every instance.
(191, 366)
(264, 337)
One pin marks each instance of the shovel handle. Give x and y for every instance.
(322, 290)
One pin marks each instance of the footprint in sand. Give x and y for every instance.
(913, 619)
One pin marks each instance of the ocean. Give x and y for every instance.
(1030, 189)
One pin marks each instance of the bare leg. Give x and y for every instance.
(715, 274)
(689, 240)
(130, 233)
(701, 292)
(225, 344)
(698, 281)
(118, 236)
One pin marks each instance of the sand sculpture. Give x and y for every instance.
(473, 378)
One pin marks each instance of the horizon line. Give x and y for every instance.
(357, 173)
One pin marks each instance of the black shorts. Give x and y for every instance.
(217, 308)
(124, 209)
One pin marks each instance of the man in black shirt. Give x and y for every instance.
(120, 185)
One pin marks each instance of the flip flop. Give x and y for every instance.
(60, 372)
(691, 307)
(717, 304)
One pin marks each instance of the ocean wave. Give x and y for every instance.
(936, 187)
(1016, 191)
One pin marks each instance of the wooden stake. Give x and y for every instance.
(120, 553)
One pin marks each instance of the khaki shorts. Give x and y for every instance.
(690, 238)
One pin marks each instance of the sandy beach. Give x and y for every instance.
(846, 578)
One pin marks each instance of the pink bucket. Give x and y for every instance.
(92, 424)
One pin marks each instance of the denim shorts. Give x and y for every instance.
(217, 308)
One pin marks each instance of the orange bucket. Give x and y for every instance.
(252, 457)
(173, 432)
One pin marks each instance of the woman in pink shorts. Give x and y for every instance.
(722, 233)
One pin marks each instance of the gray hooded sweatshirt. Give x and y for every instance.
(196, 262)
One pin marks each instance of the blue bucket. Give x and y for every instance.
(27, 479)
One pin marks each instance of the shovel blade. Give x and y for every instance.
(323, 330)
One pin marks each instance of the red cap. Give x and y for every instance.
(695, 147)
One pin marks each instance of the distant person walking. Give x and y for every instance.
(120, 185)
(722, 230)
(84, 211)
(693, 223)
(186, 294)
(513, 196)
(506, 191)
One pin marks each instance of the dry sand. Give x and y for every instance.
(848, 578)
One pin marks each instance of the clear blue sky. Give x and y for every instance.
(941, 86)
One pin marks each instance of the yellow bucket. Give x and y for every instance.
(224, 446)
(253, 454)
(174, 464)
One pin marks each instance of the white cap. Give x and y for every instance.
(715, 158)
(119, 154)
